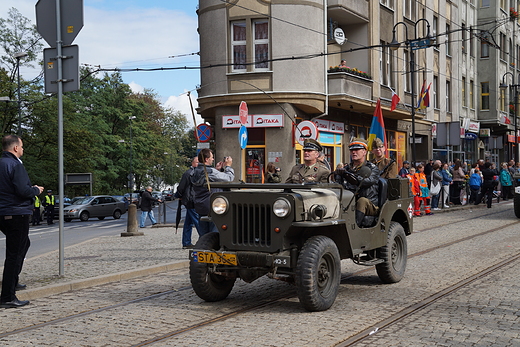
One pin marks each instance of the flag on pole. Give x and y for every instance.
(395, 100)
(424, 97)
(377, 129)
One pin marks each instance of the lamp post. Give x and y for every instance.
(19, 56)
(412, 44)
(513, 87)
(131, 178)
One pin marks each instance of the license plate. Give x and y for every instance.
(215, 258)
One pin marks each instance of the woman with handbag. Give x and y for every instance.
(435, 186)
(446, 182)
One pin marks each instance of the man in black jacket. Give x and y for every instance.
(186, 194)
(147, 201)
(16, 205)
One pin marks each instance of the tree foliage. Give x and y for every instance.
(109, 131)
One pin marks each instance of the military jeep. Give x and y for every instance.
(516, 199)
(299, 233)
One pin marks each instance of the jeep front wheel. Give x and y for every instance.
(318, 273)
(394, 254)
(207, 285)
(516, 204)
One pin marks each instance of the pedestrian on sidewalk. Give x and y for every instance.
(423, 196)
(446, 182)
(37, 213)
(436, 182)
(147, 202)
(506, 180)
(16, 206)
(475, 182)
(488, 184)
(49, 207)
(187, 196)
(458, 178)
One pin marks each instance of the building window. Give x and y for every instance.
(471, 43)
(409, 9)
(511, 54)
(484, 3)
(238, 45)
(471, 94)
(406, 69)
(484, 46)
(385, 64)
(503, 5)
(448, 96)
(387, 3)
(435, 92)
(484, 95)
(503, 51)
(448, 43)
(464, 92)
(261, 44)
(464, 38)
(258, 41)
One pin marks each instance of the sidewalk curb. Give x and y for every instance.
(31, 294)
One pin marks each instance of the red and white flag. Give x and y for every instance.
(395, 100)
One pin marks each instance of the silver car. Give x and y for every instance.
(99, 206)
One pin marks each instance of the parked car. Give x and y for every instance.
(99, 206)
(122, 198)
(133, 198)
(168, 195)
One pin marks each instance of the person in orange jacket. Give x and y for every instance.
(422, 194)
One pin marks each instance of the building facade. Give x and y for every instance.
(282, 57)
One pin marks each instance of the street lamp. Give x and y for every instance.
(131, 178)
(412, 44)
(514, 87)
(19, 56)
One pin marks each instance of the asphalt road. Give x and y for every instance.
(45, 238)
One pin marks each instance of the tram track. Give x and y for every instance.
(265, 303)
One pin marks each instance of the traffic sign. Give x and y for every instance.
(306, 130)
(420, 44)
(203, 132)
(71, 13)
(242, 112)
(242, 137)
(70, 69)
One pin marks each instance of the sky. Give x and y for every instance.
(137, 34)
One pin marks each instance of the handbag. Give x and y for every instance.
(435, 189)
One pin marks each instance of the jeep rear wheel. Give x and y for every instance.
(207, 285)
(318, 273)
(516, 204)
(394, 253)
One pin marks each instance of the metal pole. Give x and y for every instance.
(515, 154)
(131, 154)
(412, 85)
(19, 100)
(61, 180)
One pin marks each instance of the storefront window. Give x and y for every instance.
(255, 165)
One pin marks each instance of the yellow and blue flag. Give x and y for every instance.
(377, 129)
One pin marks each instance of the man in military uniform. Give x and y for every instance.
(387, 166)
(361, 177)
(311, 170)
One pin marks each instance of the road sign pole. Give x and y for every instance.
(61, 180)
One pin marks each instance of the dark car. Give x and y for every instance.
(168, 195)
(133, 198)
(99, 206)
(122, 198)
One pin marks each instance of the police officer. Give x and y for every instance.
(36, 211)
(387, 166)
(361, 177)
(49, 207)
(312, 170)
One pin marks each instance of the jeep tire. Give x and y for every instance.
(516, 204)
(208, 286)
(394, 254)
(318, 273)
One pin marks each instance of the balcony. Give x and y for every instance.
(348, 12)
(349, 84)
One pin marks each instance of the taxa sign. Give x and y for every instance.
(254, 121)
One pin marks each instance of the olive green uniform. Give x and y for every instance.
(300, 173)
(391, 171)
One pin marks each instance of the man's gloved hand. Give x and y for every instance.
(351, 177)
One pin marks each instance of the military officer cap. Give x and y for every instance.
(377, 143)
(358, 144)
(313, 145)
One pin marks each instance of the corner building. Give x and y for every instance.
(281, 57)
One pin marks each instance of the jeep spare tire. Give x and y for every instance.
(207, 285)
(318, 273)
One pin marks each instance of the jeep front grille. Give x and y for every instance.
(252, 224)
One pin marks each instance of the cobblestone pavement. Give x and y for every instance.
(482, 314)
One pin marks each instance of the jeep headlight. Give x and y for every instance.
(281, 207)
(219, 205)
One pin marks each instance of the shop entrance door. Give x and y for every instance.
(254, 165)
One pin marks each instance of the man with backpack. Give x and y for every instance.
(185, 193)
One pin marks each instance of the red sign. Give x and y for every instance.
(242, 113)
